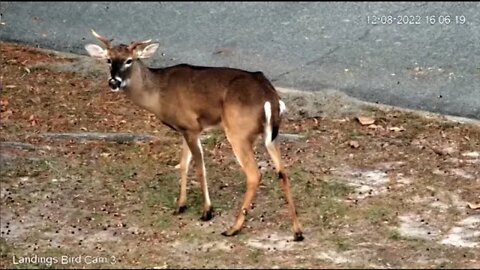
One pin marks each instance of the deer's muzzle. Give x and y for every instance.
(114, 84)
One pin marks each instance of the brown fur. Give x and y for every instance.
(191, 99)
(186, 96)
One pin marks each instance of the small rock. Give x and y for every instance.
(365, 121)
(376, 127)
(354, 144)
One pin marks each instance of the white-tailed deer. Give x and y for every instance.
(189, 99)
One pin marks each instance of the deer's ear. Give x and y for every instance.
(96, 51)
(148, 51)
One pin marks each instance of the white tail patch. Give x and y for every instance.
(268, 126)
(268, 111)
(283, 107)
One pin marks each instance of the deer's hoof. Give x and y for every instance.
(298, 237)
(180, 210)
(230, 232)
(207, 215)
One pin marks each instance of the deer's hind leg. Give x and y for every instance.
(243, 149)
(274, 151)
(241, 131)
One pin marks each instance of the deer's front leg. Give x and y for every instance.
(195, 146)
(184, 165)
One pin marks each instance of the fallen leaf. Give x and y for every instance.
(443, 151)
(36, 100)
(343, 120)
(105, 154)
(365, 121)
(354, 144)
(396, 129)
(7, 113)
(473, 206)
(33, 120)
(4, 102)
(129, 185)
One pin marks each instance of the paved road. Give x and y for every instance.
(431, 64)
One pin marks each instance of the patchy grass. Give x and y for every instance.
(115, 200)
(378, 213)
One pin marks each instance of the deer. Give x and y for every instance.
(191, 99)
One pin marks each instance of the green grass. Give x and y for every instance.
(163, 192)
(377, 213)
(341, 243)
(395, 235)
(329, 212)
(121, 171)
(356, 135)
(5, 249)
(335, 188)
(322, 199)
(25, 167)
(255, 255)
(161, 222)
(213, 137)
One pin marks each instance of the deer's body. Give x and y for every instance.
(190, 99)
(185, 96)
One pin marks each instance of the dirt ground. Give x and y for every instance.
(402, 192)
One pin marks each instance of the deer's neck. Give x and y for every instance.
(143, 88)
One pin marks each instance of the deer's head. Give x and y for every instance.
(120, 58)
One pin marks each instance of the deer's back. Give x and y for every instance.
(204, 93)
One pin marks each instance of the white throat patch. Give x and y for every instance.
(124, 84)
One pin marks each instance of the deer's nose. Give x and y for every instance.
(114, 83)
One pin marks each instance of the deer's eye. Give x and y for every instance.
(129, 61)
(109, 61)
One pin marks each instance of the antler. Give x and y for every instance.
(106, 41)
(133, 45)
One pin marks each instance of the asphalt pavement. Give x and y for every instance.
(417, 55)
